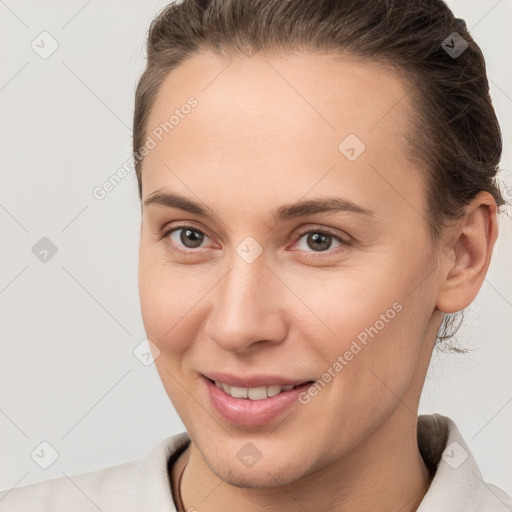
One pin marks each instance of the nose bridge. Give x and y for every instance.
(246, 302)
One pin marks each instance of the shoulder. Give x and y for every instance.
(80, 493)
(133, 486)
(458, 484)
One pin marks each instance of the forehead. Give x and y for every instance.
(282, 118)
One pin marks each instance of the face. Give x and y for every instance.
(255, 291)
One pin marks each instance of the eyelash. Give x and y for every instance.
(167, 231)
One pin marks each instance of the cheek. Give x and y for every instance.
(371, 360)
(172, 300)
(368, 315)
(346, 305)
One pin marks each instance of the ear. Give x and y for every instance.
(466, 256)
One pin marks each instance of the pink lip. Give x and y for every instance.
(254, 381)
(247, 412)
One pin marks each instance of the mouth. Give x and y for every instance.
(257, 392)
(252, 407)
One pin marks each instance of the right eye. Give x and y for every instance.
(185, 237)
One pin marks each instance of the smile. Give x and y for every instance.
(257, 393)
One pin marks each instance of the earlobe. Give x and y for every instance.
(465, 259)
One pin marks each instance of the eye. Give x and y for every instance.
(319, 240)
(187, 237)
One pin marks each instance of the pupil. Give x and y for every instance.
(324, 241)
(189, 236)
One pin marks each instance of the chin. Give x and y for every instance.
(262, 479)
(264, 474)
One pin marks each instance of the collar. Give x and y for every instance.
(457, 485)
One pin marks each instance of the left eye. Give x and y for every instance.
(319, 240)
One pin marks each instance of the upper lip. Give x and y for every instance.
(253, 381)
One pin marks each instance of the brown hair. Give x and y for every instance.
(455, 135)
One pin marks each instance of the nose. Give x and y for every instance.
(248, 308)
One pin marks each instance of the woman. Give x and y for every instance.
(318, 196)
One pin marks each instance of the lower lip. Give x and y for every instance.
(252, 413)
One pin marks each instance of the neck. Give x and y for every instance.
(386, 473)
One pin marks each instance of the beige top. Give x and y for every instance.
(144, 485)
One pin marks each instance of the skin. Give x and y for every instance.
(265, 133)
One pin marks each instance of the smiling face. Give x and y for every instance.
(252, 287)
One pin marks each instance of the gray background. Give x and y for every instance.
(70, 325)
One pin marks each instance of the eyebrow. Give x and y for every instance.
(283, 213)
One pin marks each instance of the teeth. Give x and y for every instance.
(239, 392)
(273, 390)
(258, 393)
